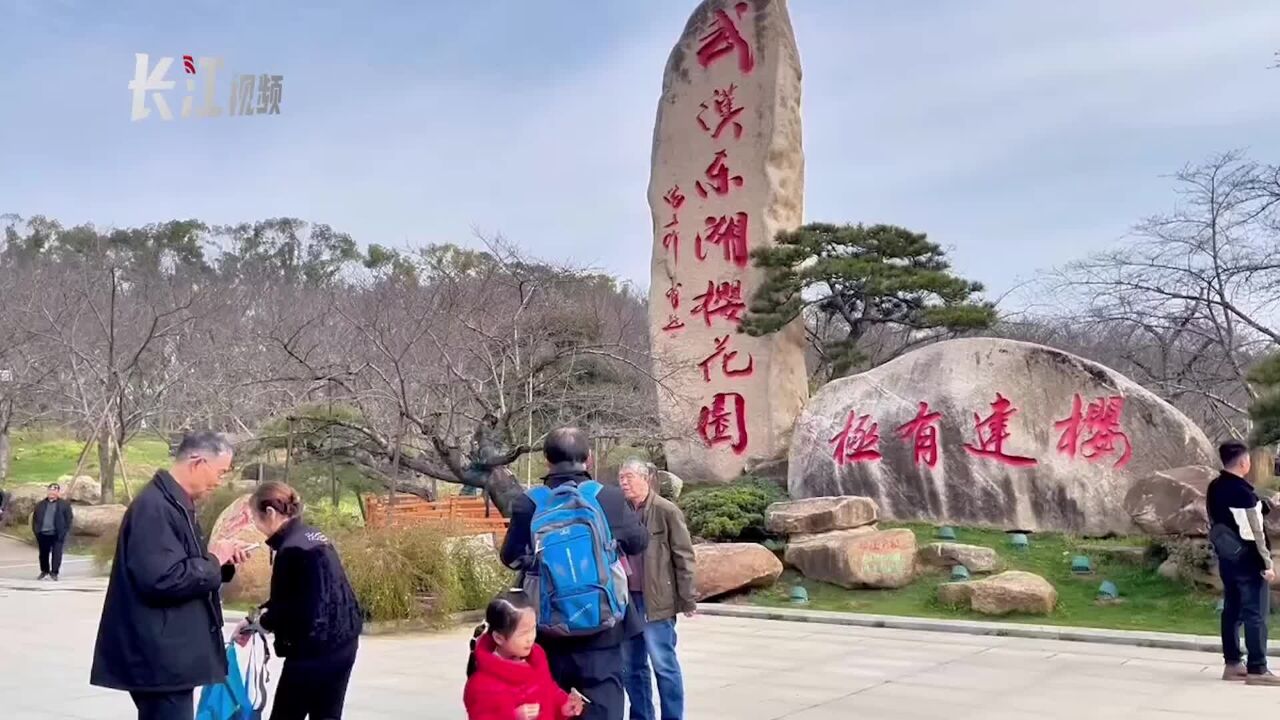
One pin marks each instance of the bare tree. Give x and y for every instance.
(1191, 298)
(116, 330)
(477, 355)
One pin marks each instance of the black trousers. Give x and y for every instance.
(314, 687)
(165, 705)
(1246, 602)
(50, 545)
(597, 674)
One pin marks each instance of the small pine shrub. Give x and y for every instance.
(730, 512)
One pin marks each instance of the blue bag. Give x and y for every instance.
(577, 578)
(243, 695)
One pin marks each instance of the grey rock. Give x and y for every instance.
(816, 515)
(856, 558)
(1073, 486)
(976, 558)
(1171, 502)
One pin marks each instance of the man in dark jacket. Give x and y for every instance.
(160, 635)
(1244, 562)
(51, 521)
(662, 587)
(591, 665)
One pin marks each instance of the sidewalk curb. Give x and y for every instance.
(1159, 640)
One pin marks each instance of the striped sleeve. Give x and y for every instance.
(1250, 523)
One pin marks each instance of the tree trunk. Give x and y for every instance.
(4, 455)
(503, 488)
(106, 466)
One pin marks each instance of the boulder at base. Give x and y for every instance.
(821, 514)
(22, 502)
(1008, 592)
(97, 520)
(975, 558)
(669, 485)
(723, 568)
(991, 432)
(856, 558)
(82, 489)
(252, 581)
(1171, 502)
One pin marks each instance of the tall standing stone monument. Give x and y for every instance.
(728, 175)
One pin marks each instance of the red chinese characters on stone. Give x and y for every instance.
(730, 233)
(992, 431)
(671, 240)
(671, 243)
(724, 422)
(726, 356)
(1100, 422)
(673, 296)
(857, 443)
(674, 197)
(726, 109)
(725, 39)
(718, 176)
(922, 430)
(723, 300)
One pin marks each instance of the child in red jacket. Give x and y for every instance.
(508, 677)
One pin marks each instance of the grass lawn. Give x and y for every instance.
(1150, 602)
(42, 459)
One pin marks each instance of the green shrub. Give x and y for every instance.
(332, 520)
(480, 575)
(1192, 555)
(730, 512)
(414, 573)
(208, 509)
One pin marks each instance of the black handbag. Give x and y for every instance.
(1226, 543)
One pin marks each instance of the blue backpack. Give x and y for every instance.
(577, 578)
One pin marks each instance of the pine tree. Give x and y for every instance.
(1265, 410)
(861, 277)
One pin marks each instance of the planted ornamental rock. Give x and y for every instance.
(1008, 592)
(723, 568)
(856, 558)
(821, 514)
(975, 558)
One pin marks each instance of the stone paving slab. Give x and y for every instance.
(21, 561)
(736, 668)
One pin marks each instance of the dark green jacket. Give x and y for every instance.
(668, 561)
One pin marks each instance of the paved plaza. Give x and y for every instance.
(736, 669)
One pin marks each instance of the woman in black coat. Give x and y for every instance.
(313, 611)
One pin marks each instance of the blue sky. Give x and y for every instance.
(1019, 134)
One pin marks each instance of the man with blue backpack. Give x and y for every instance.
(569, 538)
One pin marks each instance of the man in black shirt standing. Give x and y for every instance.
(51, 522)
(1244, 561)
